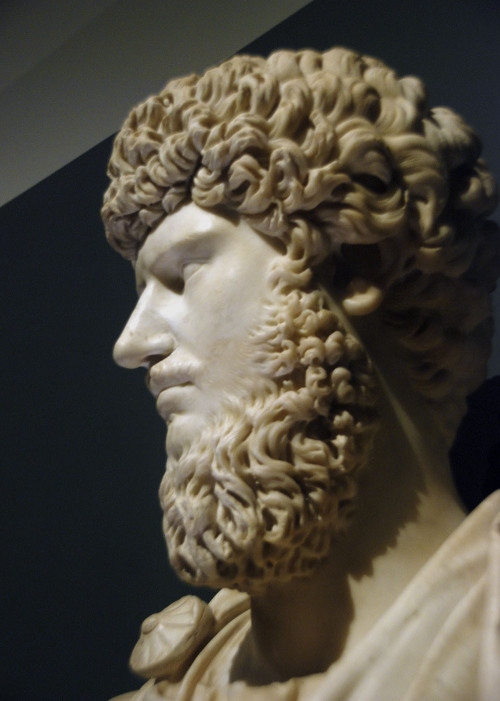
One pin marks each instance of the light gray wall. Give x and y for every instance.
(70, 70)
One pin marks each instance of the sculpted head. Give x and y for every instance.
(261, 203)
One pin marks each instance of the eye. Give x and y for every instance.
(176, 284)
(188, 269)
(177, 281)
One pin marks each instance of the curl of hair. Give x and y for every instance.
(393, 191)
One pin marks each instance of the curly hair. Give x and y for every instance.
(333, 145)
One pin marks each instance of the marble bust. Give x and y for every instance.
(314, 266)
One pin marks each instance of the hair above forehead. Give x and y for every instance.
(336, 155)
(336, 137)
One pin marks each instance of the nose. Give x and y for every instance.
(145, 338)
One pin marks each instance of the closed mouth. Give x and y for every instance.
(168, 400)
(174, 386)
(158, 385)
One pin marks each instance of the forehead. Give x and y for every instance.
(186, 229)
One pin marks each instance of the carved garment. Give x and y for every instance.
(439, 641)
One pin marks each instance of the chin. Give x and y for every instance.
(255, 491)
(182, 430)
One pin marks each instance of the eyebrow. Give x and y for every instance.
(192, 245)
(188, 240)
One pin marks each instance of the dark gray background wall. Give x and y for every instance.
(82, 456)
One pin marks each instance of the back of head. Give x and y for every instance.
(346, 165)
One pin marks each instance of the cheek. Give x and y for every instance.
(223, 313)
(221, 337)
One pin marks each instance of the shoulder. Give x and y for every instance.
(182, 638)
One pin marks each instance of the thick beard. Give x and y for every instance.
(264, 489)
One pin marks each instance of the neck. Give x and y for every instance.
(299, 627)
(406, 509)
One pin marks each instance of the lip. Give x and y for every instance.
(170, 399)
(160, 382)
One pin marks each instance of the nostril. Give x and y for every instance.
(153, 359)
(143, 342)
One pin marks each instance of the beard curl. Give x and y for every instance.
(261, 493)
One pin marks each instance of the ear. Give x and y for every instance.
(361, 297)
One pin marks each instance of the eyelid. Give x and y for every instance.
(197, 263)
(140, 282)
(170, 266)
